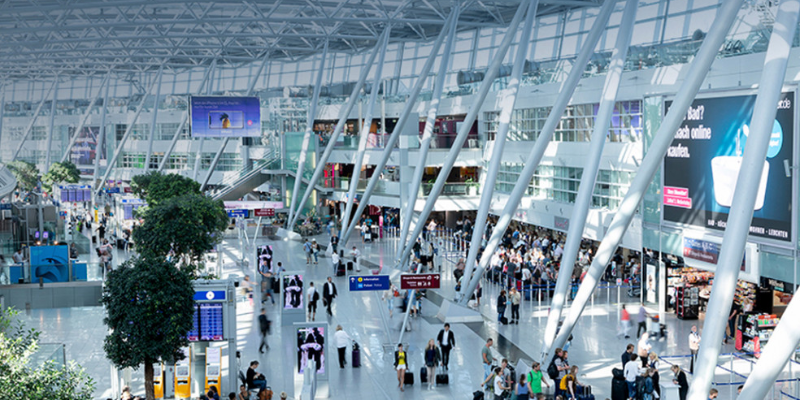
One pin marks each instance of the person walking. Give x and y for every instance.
(447, 340)
(433, 359)
(515, 298)
(315, 250)
(335, 260)
(342, 339)
(535, 379)
(356, 258)
(389, 296)
(400, 364)
(313, 298)
(642, 320)
(694, 346)
(328, 294)
(624, 323)
(502, 300)
(264, 328)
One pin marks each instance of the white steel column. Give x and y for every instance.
(121, 144)
(199, 154)
(85, 118)
(2, 115)
(323, 159)
(741, 214)
(401, 122)
(250, 89)
(364, 135)
(182, 124)
(311, 116)
(583, 201)
(508, 98)
(51, 127)
(477, 103)
(540, 145)
(153, 125)
(100, 140)
(33, 120)
(652, 161)
(425, 142)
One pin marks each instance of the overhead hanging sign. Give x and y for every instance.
(420, 281)
(369, 282)
(220, 116)
(702, 166)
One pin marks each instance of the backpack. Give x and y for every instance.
(315, 297)
(552, 370)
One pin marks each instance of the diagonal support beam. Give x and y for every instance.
(118, 151)
(740, 217)
(51, 128)
(153, 125)
(486, 85)
(33, 120)
(338, 129)
(508, 99)
(183, 123)
(697, 72)
(365, 128)
(401, 122)
(583, 201)
(312, 114)
(539, 147)
(85, 118)
(250, 88)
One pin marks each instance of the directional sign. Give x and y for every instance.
(420, 281)
(237, 213)
(264, 212)
(369, 282)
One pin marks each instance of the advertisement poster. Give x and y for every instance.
(51, 263)
(84, 150)
(652, 284)
(702, 166)
(311, 346)
(219, 116)
(293, 292)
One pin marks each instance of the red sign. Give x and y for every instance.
(264, 212)
(127, 189)
(419, 281)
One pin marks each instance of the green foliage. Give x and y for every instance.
(61, 172)
(150, 307)
(186, 226)
(155, 187)
(26, 173)
(20, 380)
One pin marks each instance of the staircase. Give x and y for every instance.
(237, 185)
(7, 182)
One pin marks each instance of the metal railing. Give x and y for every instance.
(231, 181)
(452, 189)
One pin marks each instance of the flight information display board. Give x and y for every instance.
(208, 323)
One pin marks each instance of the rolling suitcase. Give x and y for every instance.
(409, 378)
(619, 389)
(356, 356)
(442, 378)
(423, 375)
(368, 236)
(349, 265)
(504, 320)
(340, 270)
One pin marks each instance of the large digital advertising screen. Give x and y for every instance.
(220, 116)
(311, 346)
(293, 292)
(702, 166)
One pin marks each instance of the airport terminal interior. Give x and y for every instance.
(399, 199)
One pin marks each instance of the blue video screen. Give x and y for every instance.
(221, 116)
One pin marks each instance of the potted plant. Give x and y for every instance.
(472, 187)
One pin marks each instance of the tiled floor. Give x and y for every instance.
(596, 349)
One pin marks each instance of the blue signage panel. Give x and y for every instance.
(237, 213)
(369, 282)
(209, 295)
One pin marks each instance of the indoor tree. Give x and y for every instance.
(149, 304)
(19, 379)
(27, 174)
(155, 187)
(59, 172)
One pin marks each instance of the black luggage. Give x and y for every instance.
(477, 395)
(409, 378)
(349, 265)
(442, 378)
(356, 356)
(619, 389)
(340, 270)
(423, 375)
(504, 320)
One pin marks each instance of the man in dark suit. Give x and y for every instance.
(328, 294)
(447, 340)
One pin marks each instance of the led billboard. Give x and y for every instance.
(702, 166)
(220, 116)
